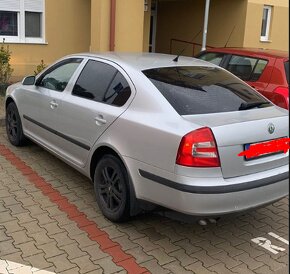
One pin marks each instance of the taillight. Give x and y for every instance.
(198, 149)
(283, 99)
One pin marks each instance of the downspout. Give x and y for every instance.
(205, 24)
(112, 24)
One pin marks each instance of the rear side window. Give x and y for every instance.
(212, 57)
(286, 64)
(258, 70)
(202, 90)
(246, 68)
(102, 83)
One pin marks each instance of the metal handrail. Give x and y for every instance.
(187, 42)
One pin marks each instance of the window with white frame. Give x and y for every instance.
(266, 22)
(22, 21)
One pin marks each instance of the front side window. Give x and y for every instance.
(212, 57)
(22, 21)
(266, 21)
(203, 90)
(101, 82)
(59, 75)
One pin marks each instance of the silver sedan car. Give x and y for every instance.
(151, 130)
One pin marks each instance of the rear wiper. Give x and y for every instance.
(245, 106)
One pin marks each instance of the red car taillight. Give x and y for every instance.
(198, 149)
(283, 99)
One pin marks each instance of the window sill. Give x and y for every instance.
(26, 43)
(265, 41)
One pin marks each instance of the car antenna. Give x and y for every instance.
(230, 36)
(177, 57)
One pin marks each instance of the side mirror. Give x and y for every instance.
(29, 81)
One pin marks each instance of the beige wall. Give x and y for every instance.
(129, 21)
(279, 28)
(67, 31)
(183, 19)
(129, 25)
(100, 25)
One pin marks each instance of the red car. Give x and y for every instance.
(265, 70)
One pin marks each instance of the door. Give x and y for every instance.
(100, 95)
(40, 118)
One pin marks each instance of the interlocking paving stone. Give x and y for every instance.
(35, 231)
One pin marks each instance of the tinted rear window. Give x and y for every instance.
(201, 90)
(287, 70)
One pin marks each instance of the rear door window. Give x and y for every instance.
(246, 68)
(212, 57)
(102, 82)
(202, 90)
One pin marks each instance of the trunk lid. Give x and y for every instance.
(234, 130)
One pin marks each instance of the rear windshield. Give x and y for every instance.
(201, 90)
(287, 70)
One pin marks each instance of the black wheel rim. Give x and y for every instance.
(111, 188)
(12, 125)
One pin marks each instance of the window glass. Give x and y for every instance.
(266, 20)
(118, 92)
(58, 76)
(8, 23)
(242, 66)
(33, 24)
(102, 83)
(202, 90)
(212, 57)
(260, 66)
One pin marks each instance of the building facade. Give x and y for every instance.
(38, 30)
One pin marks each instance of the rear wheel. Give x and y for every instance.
(112, 188)
(14, 126)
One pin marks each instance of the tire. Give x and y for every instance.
(13, 125)
(112, 189)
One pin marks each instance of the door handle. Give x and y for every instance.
(100, 120)
(53, 104)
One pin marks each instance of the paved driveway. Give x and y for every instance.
(50, 223)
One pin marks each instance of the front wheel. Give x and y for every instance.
(14, 126)
(112, 189)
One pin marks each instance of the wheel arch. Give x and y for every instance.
(97, 156)
(8, 101)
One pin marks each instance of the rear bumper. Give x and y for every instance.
(215, 196)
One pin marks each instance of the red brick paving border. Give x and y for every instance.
(120, 258)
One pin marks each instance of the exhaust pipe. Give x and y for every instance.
(204, 222)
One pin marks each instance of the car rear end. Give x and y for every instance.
(215, 173)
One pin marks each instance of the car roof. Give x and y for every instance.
(253, 52)
(143, 61)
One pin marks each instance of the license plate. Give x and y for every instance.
(264, 149)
